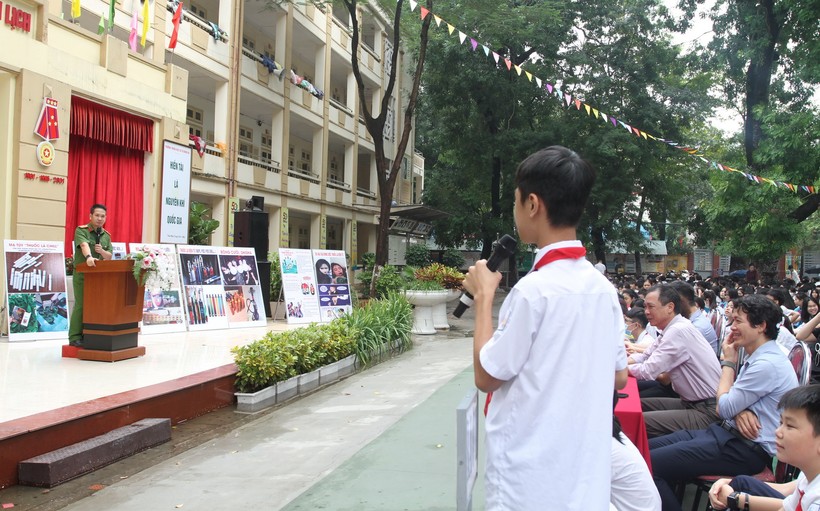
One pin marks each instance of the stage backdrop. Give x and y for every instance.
(37, 303)
(162, 309)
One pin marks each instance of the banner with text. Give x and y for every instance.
(176, 191)
(36, 301)
(162, 309)
(299, 285)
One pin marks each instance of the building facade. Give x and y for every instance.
(265, 96)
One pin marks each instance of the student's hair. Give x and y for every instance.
(560, 178)
(709, 296)
(631, 292)
(616, 424)
(731, 292)
(667, 294)
(700, 302)
(97, 206)
(806, 397)
(685, 290)
(639, 303)
(759, 310)
(777, 295)
(638, 315)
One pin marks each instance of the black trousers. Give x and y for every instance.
(686, 454)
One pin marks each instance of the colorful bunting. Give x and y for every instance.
(75, 9)
(558, 94)
(177, 19)
(101, 26)
(132, 37)
(145, 22)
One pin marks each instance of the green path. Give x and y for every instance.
(411, 466)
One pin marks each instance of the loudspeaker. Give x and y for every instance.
(250, 229)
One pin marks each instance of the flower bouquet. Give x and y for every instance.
(153, 268)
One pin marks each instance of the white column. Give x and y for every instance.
(221, 112)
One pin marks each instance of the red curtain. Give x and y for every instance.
(105, 165)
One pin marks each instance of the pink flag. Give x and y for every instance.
(132, 39)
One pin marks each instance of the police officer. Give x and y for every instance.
(92, 243)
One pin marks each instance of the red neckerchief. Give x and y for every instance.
(556, 254)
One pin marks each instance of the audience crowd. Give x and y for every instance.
(725, 393)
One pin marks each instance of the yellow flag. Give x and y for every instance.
(75, 9)
(145, 22)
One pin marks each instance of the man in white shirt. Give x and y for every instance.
(601, 267)
(548, 427)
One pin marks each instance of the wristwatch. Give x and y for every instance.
(733, 501)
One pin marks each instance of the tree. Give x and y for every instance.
(766, 55)
(387, 171)
(477, 123)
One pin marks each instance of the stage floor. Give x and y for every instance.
(34, 377)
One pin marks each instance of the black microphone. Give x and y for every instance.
(98, 232)
(504, 248)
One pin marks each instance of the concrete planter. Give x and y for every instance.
(308, 381)
(347, 366)
(423, 302)
(287, 389)
(440, 310)
(251, 403)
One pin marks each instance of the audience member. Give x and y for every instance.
(632, 488)
(798, 444)
(690, 310)
(744, 442)
(683, 357)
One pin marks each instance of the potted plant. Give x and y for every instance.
(277, 306)
(447, 278)
(200, 224)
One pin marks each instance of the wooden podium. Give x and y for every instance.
(112, 310)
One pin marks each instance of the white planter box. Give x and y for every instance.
(347, 366)
(250, 403)
(308, 382)
(329, 373)
(287, 389)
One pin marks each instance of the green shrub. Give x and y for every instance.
(417, 255)
(275, 276)
(382, 326)
(444, 276)
(389, 280)
(452, 258)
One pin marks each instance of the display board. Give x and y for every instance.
(176, 191)
(243, 292)
(333, 283)
(36, 301)
(162, 310)
(203, 292)
(118, 251)
(299, 285)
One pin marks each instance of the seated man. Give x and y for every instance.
(798, 444)
(690, 310)
(683, 355)
(743, 443)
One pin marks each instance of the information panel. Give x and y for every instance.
(176, 191)
(203, 291)
(162, 309)
(243, 292)
(36, 302)
(333, 283)
(299, 286)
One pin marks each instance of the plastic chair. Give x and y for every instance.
(783, 472)
(800, 357)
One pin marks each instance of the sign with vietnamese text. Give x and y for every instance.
(176, 191)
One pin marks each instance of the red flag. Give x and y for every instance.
(176, 19)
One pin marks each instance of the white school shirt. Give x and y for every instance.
(811, 496)
(632, 486)
(548, 428)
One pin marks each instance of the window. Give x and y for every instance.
(248, 43)
(194, 118)
(265, 150)
(199, 11)
(334, 170)
(246, 147)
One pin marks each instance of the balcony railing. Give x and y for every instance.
(270, 166)
(338, 185)
(363, 192)
(195, 20)
(341, 107)
(303, 174)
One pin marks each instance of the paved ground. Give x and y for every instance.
(381, 439)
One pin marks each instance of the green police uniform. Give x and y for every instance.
(83, 234)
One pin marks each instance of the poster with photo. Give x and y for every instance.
(203, 295)
(162, 309)
(299, 286)
(118, 251)
(333, 285)
(36, 300)
(243, 291)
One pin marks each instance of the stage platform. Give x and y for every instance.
(48, 402)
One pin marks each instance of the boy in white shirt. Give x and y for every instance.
(798, 444)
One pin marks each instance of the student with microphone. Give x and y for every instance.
(92, 243)
(554, 358)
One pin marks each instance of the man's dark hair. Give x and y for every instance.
(560, 178)
(731, 292)
(806, 397)
(685, 290)
(667, 294)
(98, 206)
(759, 310)
(638, 315)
